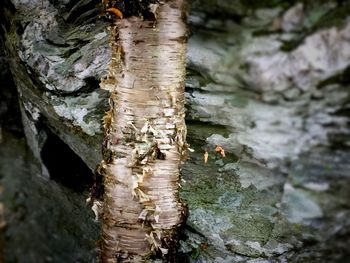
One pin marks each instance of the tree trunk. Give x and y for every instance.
(145, 136)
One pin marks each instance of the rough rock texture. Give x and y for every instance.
(59, 53)
(268, 82)
(273, 110)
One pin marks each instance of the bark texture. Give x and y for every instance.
(145, 136)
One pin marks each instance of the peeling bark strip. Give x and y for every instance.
(145, 136)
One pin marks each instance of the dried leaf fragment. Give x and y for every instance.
(206, 155)
(220, 150)
(116, 12)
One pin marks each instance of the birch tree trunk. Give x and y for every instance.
(145, 136)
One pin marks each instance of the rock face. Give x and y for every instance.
(267, 82)
(277, 111)
(61, 52)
